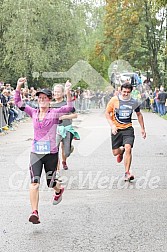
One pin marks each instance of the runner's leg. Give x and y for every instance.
(50, 162)
(35, 172)
(127, 157)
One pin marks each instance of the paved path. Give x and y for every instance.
(99, 212)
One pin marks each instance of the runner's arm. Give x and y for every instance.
(112, 125)
(68, 94)
(17, 98)
(108, 117)
(141, 122)
(70, 116)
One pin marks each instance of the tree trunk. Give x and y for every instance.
(155, 70)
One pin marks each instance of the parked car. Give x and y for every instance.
(128, 76)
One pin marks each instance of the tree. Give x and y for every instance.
(155, 37)
(37, 36)
(135, 33)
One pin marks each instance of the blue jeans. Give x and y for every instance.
(12, 116)
(157, 106)
(162, 109)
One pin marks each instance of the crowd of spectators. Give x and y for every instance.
(84, 100)
(10, 115)
(153, 100)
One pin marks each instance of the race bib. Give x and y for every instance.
(124, 113)
(42, 147)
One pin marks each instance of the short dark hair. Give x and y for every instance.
(126, 85)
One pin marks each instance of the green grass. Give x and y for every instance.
(147, 110)
(164, 117)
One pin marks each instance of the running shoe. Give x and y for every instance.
(128, 176)
(65, 167)
(57, 198)
(34, 217)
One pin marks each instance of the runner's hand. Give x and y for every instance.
(114, 130)
(143, 133)
(68, 86)
(21, 81)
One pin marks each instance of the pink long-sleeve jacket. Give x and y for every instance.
(45, 130)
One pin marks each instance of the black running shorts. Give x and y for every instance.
(49, 161)
(124, 136)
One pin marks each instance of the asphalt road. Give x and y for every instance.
(99, 211)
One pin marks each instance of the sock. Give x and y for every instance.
(57, 193)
